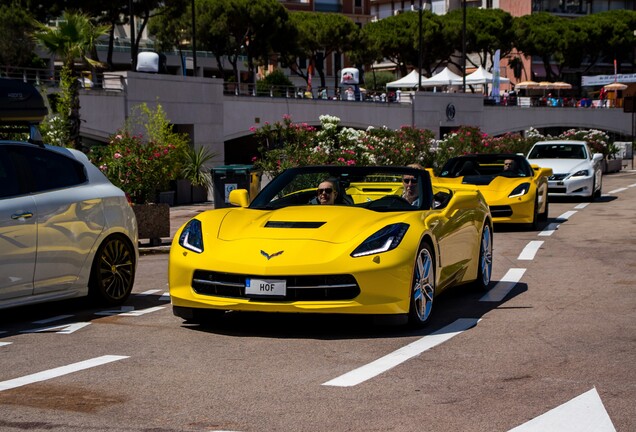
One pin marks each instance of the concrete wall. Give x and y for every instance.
(194, 103)
(198, 104)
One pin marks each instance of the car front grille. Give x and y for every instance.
(557, 176)
(501, 211)
(560, 190)
(299, 288)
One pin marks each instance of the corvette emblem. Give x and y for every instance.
(268, 256)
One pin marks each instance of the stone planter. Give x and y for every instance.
(153, 221)
(612, 165)
(199, 194)
(166, 198)
(184, 192)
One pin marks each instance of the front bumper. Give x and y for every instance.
(574, 186)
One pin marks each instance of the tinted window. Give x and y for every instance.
(48, 169)
(8, 177)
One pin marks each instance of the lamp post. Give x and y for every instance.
(419, 51)
(464, 46)
(133, 57)
(194, 43)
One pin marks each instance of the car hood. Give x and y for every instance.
(562, 166)
(333, 224)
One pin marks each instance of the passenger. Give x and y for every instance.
(326, 192)
(411, 192)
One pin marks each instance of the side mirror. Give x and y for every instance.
(239, 197)
(597, 157)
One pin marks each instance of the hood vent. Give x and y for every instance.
(477, 180)
(283, 224)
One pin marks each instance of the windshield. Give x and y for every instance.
(558, 151)
(372, 188)
(487, 165)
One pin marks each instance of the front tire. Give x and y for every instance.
(113, 272)
(484, 272)
(422, 287)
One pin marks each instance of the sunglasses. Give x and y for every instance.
(325, 191)
(409, 180)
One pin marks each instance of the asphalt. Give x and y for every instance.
(179, 215)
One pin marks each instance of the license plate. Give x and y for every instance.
(265, 287)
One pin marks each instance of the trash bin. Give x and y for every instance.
(226, 178)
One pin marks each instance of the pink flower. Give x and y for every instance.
(253, 129)
(117, 155)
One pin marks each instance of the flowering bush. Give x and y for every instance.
(143, 166)
(141, 169)
(286, 144)
(596, 139)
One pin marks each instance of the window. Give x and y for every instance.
(48, 169)
(9, 185)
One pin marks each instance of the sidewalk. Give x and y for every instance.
(178, 216)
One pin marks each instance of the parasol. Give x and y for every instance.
(615, 86)
(527, 85)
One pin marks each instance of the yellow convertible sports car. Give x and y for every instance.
(386, 244)
(516, 191)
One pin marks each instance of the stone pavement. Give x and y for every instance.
(179, 215)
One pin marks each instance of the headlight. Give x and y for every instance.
(192, 237)
(581, 173)
(384, 240)
(520, 190)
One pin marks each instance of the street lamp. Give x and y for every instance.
(194, 43)
(464, 46)
(419, 51)
(133, 59)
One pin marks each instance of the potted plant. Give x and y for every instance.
(143, 165)
(195, 169)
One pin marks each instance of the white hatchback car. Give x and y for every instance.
(576, 171)
(65, 230)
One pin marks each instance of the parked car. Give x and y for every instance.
(515, 191)
(65, 230)
(576, 171)
(372, 252)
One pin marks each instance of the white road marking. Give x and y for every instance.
(528, 253)
(504, 286)
(142, 311)
(55, 318)
(63, 329)
(5, 343)
(632, 185)
(57, 372)
(549, 230)
(149, 292)
(584, 413)
(616, 191)
(582, 206)
(165, 297)
(565, 216)
(403, 354)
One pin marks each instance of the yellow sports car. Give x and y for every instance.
(516, 191)
(336, 240)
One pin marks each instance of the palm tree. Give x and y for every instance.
(73, 39)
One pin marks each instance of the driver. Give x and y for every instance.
(326, 192)
(411, 192)
(510, 165)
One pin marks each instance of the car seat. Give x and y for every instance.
(469, 168)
